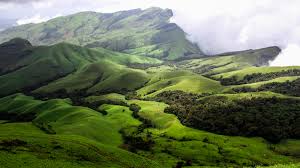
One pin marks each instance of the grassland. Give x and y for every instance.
(142, 32)
(231, 61)
(276, 80)
(59, 117)
(24, 145)
(103, 76)
(62, 59)
(179, 80)
(122, 127)
(240, 74)
(174, 142)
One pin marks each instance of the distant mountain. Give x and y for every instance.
(142, 32)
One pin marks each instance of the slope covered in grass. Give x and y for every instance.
(59, 117)
(103, 76)
(276, 80)
(228, 62)
(240, 74)
(143, 32)
(24, 145)
(175, 142)
(179, 80)
(45, 64)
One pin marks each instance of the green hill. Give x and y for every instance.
(143, 32)
(228, 62)
(179, 80)
(77, 136)
(127, 89)
(48, 63)
(24, 145)
(100, 77)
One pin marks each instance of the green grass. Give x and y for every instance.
(50, 63)
(276, 80)
(141, 32)
(174, 141)
(115, 97)
(263, 94)
(66, 119)
(100, 77)
(247, 71)
(179, 80)
(281, 166)
(46, 151)
(230, 62)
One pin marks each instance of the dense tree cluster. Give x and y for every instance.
(142, 66)
(291, 88)
(258, 77)
(288, 88)
(135, 109)
(271, 118)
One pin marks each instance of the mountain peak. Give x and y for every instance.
(16, 43)
(145, 32)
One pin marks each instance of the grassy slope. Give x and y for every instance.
(265, 94)
(179, 80)
(143, 32)
(231, 61)
(247, 71)
(276, 80)
(112, 96)
(44, 150)
(100, 76)
(49, 63)
(67, 119)
(174, 141)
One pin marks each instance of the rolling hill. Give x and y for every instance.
(127, 89)
(142, 32)
(48, 63)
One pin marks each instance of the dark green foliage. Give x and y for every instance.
(18, 117)
(12, 143)
(271, 118)
(142, 66)
(137, 140)
(287, 88)
(46, 127)
(258, 77)
(135, 109)
(12, 52)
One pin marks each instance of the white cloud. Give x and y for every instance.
(35, 19)
(290, 56)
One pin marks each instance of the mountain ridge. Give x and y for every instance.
(143, 32)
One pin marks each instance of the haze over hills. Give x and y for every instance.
(127, 89)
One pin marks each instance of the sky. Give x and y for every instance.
(215, 25)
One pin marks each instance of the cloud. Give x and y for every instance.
(290, 56)
(222, 26)
(216, 26)
(35, 19)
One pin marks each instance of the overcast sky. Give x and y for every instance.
(216, 25)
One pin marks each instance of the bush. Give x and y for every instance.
(135, 109)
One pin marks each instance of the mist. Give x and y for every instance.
(240, 25)
(216, 26)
